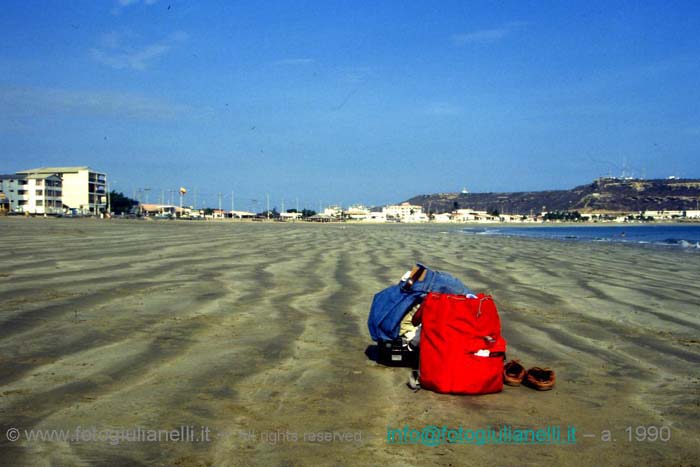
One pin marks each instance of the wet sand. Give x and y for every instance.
(257, 333)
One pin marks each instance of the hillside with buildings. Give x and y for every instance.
(603, 195)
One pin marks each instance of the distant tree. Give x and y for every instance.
(495, 213)
(121, 204)
(290, 211)
(455, 205)
(574, 216)
(307, 213)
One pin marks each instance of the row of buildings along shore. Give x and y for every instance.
(83, 191)
(403, 213)
(410, 213)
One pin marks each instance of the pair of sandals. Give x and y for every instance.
(514, 374)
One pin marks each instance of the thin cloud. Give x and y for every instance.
(117, 52)
(354, 75)
(442, 109)
(294, 61)
(121, 4)
(487, 36)
(30, 102)
(112, 40)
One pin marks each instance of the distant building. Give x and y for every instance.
(290, 216)
(405, 212)
(159, 209)
(444, 217)
(357, 213)
(242, 214)
(333, 211)
(511, 218)
(667, 215)
(84, 190)
(32, 193)
(375, 216)
(322, 218)
(471, 215)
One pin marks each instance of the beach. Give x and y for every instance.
(253, 337)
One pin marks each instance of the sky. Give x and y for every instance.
(325, 102)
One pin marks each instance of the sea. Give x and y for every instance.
(676, 236)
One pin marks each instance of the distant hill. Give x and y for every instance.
(603, 195)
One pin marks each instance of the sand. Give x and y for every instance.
(254, 336)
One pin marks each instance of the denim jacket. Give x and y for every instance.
(391, 304)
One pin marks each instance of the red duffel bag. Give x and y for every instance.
(461, 347)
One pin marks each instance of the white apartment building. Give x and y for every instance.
(33, 194)
(84, 189)
(357, 213)
(405, 212)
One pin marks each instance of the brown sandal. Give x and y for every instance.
(541, 379)
(513, 373)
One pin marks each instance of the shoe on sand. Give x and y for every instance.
(541, 379)
(513, 373)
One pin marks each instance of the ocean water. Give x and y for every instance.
(686, 236)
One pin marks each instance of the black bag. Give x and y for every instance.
(394, 353)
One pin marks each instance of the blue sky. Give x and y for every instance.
(350, 102)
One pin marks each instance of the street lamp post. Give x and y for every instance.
(109, 197)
